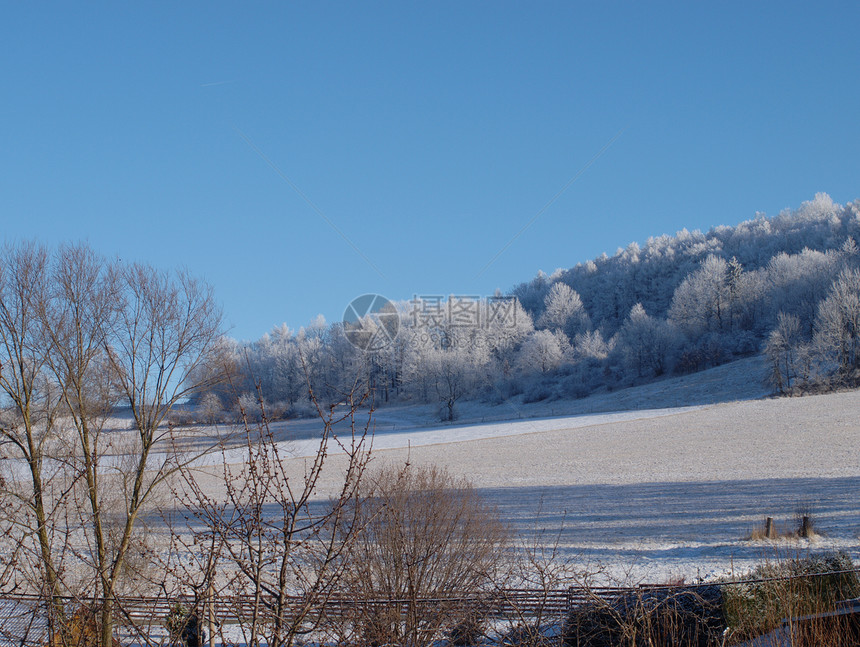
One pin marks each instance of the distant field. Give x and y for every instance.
(659, 493)
(740, 380)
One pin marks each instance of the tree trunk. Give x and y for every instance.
(106, 628)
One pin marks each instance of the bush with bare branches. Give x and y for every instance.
(428, 546)
(276, 545)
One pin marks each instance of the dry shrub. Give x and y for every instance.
(540, 567)
(428, 547)
(794, 588)
(81, 630)
(530, 634)
(826, 631)
(470, 629)
(661, 617)
(805, 527)
(759, 533)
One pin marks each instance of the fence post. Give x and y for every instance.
(769, 531)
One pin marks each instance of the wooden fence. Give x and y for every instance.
(503, 603)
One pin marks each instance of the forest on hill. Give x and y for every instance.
(787, 286)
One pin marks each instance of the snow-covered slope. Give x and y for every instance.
(662, 492)
(658, 491)
(740, 380)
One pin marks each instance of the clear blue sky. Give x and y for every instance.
(428, 133)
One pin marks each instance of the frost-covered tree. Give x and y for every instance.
(447, 363)
(837, 327)
(507, 326)
(280, 367)
(591, 345)
(543, 351)
(701, 303)
(211, 409)
(651, 273)
(563, 311)
(646, 344)
(532, 294)
(788, 353)
(722, 290)
(452, 376)
(796, 283)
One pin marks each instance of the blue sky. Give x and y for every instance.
(428, 134)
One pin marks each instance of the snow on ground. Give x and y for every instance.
(661, 480)
(659, 492)
(418, 437)
(741, 380)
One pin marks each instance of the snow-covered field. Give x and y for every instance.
(654, 493)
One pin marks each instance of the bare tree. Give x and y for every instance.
(278, 545)
(75, 321)
(540, 567)
(81, 335)
(166, 326)
(29, 417)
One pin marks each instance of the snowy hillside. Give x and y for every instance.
(781, 288)
(661, 491)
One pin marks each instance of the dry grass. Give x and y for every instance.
(791, 588)
(787, 596)
(804, 527)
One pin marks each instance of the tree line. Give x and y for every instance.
(675, 305)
